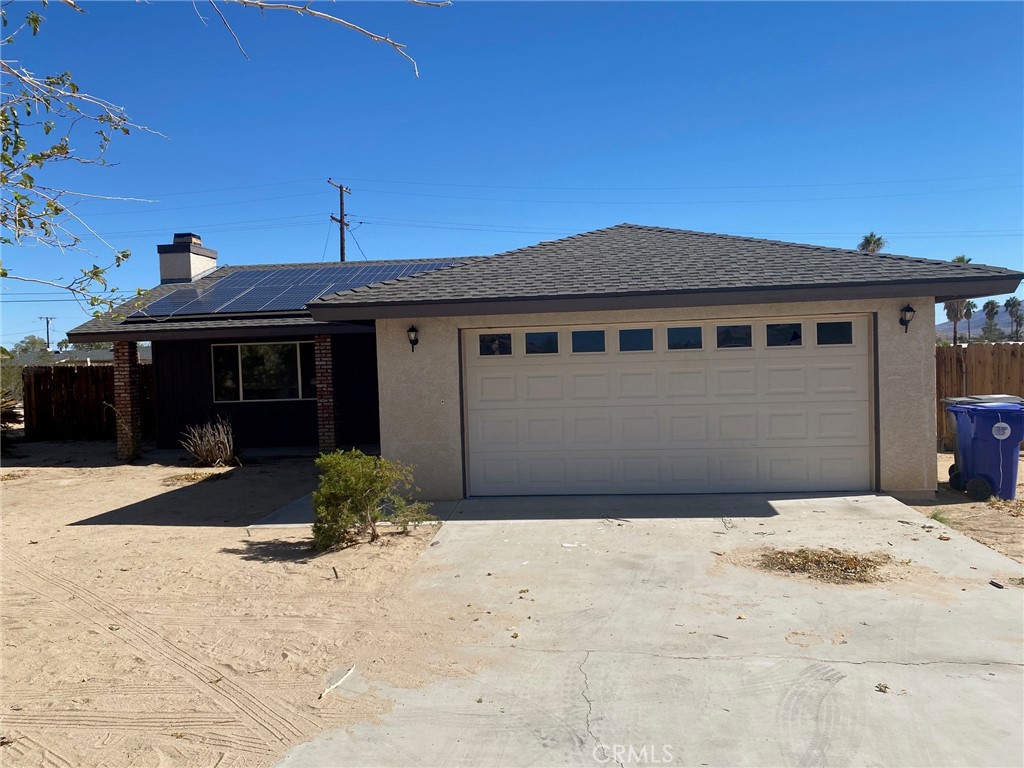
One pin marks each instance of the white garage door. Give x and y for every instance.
(763, 405)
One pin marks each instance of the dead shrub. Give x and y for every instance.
(831, 565)
(193, 478)
(211, 444)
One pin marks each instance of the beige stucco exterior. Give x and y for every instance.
(421, 404)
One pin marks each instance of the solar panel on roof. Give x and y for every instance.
(297, 296)
(280, 289)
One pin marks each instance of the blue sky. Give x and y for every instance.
(805, 122)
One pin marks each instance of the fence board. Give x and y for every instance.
(978, 369)
(66, 402)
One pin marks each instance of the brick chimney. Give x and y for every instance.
(185, 259)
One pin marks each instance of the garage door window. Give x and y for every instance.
(784, 334)
(495, 344)
(734, 336)
(685, 338)
(587, 341)
(542, 343)
(835, 333)
(636, 340)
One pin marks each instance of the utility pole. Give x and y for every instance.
(47, 319)
(340, 218)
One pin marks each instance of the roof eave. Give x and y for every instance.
(941, 290)
(152, 332)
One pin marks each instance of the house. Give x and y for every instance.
(631, 359)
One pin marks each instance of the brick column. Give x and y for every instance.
(324, 393)
(127, 400)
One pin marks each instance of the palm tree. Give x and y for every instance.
(1013, 309)
(969, 309)
(872, 243)
(954, 313)
(991, 310)
(956, 310)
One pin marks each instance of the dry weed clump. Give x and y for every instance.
(832, 565)
(1013, 507)
(195, 477)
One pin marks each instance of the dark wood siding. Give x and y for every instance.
(184, 397)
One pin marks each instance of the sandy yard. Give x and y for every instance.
(996, 524)
(144, 625)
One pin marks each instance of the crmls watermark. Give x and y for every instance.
(631, 754)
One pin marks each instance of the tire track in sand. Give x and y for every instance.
(273, 723)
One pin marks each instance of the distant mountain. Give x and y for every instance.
(945, 330)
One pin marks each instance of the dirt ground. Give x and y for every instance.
(996, 524)
(144, 625)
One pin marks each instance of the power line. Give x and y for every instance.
(354, 240)
(650, 189)
(687, 202)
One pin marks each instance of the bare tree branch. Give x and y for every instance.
(201, 17)
(306, 10)
(226, 24)
(430, 4)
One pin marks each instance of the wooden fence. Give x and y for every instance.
(66, 402)
(977, 369)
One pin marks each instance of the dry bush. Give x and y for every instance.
(193, 478)
(831, 565)
(211, 444)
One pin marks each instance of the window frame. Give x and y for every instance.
(526, 343)
(749, 326)
(511, 344)
(767, 339)
(604, 340)
(648, 329)
(700, 332)
(853, 333)
(241, 382)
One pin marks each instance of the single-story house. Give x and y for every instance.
(631, 359)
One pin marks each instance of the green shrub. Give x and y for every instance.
(356, 492)
(211, 444)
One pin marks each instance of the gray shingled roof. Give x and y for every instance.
(629, 259)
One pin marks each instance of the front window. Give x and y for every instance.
(275, 371)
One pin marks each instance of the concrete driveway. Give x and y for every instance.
(638, 644)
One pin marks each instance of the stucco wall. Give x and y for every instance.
(420, 404)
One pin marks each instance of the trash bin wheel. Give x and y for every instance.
(956, 481)
(978, 488)
(953, 469)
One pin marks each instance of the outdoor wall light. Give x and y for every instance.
(906, 315)
(414, 336)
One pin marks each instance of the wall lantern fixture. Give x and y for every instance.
(414, 336)
(906, 315)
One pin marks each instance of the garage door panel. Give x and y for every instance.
(494, 387)
(733, 382)
(682, 421)
(638, 384)
(590, 386)
(721, 470)
(671, 427)
(542, 386)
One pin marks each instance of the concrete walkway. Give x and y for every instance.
(645, 643)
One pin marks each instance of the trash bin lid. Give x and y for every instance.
(990, 407)
(996, 398)
(958, 400)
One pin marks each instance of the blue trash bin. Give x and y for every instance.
(989, 437)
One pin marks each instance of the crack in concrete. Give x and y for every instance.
(598, 746)
(761, 657)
